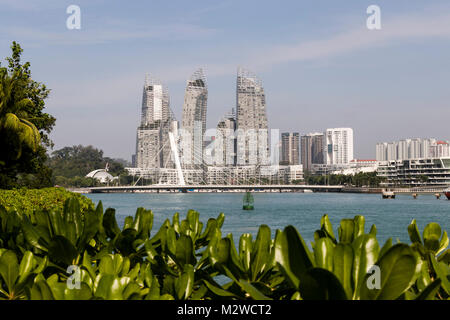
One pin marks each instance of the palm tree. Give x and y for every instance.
(14, 123)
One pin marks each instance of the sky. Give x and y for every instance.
(320, 65)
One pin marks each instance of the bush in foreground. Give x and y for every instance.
(28, 200)
(64, 254)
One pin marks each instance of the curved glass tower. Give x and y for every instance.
(251, 120)
(194, 120)
(152, 149)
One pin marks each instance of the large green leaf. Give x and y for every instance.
(61, 250)
(82, 293)
(327, 227)
(398, 269)
(429, 293)
(218, 290)
(323, 253)
(125, 241)
(252, 291)
(110, 223)
(321, 284)
(143, 223)
(41, 291)
(346, 230)
(441, 272)
(343, 257)
(431, 236)
(366, 250)
(185, 251)
(413, 232)
(359, 226)
(185, 283)
(292, 254)
(72, 217)
(261, 254)
(443, 244)
(245, 250)
(32, 236)
(110, 287)
(9, 269)
(27, 264)
(111, 264)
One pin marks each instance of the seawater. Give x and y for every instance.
(278, 210)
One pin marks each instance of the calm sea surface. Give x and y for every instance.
(277, 210)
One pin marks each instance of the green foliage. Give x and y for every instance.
(71, 164)
(369, 179)
(24, 127)
(67, 253)
(28, 200)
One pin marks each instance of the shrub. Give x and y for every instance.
(27, 200)
(39, 252)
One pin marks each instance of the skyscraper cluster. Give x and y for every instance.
(241, 138)
(333, 147)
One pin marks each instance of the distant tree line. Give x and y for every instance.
(369, 179)
(70, 165)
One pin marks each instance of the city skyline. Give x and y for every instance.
(319, 63)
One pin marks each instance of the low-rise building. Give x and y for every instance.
(433, 172)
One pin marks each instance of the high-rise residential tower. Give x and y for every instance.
(152, 147)
(290, 148)
(311, 146)
(251, 120)
(338, 147)
(193, 123)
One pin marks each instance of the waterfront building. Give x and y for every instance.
(193, 123)
(432, 172)
(152, 147)
(290, 151)
(311, 146)
(338, 146)
(251, 120)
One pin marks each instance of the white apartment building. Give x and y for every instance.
(407, 149)
(338, 146)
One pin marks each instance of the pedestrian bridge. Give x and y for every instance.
(215, 188)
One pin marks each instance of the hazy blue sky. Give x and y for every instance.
(320, 66)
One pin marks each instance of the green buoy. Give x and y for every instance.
(248, 201)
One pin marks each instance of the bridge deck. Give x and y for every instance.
(217, 188)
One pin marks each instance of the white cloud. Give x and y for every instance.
(86, 36)
(393, 31)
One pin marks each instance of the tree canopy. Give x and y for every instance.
(24, 126)
(71, 164)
